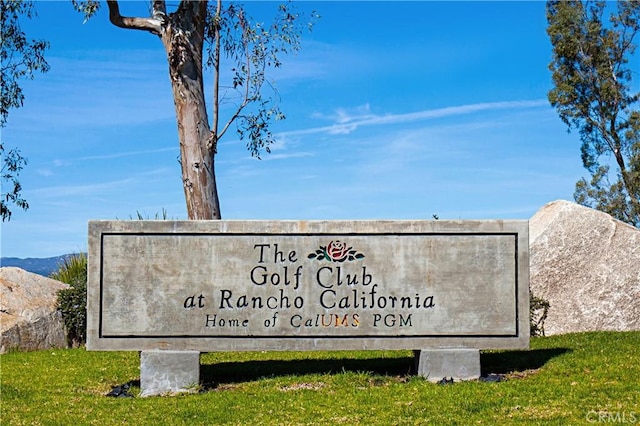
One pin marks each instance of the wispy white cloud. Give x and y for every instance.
(125, 154)
(101, 88)
(284, 156)
(45, 172)
(348, 115)
(61, 163)
(68, 162)
(98, 189)
(346, 123)
(80, 189)
(317, 60)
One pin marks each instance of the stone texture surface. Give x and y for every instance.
(587, 265)
(164, 372)
(252, 285)
(459, 364)
(28, 316)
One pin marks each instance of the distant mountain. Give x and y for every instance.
(40, 266)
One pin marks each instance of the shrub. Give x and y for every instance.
(158, 216)
(538, 311)
(72, 302)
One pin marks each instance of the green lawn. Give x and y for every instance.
(573, 379)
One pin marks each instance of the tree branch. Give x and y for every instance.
(159, 9)
(233, 118)
(216, 78)
(247, 83)
(153, 25)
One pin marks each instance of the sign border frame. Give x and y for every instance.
(96, 340)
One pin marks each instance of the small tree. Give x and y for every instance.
(199, 35)
(592, 79)
(19, 58)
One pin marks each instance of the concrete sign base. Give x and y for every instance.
(164, 372)
(458, 364)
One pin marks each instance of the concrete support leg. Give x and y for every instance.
(460, 364)
(163, 372)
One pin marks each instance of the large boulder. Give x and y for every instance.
(28, 316)
(587, 265)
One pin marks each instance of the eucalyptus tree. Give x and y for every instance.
(20, 57)
(198, 36)
(593, 70)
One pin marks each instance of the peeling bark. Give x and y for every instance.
(183, 42)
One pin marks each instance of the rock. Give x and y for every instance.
(28, 316)
(492, 378)
(587, 265)
(121, 391)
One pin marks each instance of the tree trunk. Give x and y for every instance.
(183, 42)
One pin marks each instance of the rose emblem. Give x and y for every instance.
(336, 251)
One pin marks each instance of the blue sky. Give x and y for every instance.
(395, 110)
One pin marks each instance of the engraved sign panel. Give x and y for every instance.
(285, 285)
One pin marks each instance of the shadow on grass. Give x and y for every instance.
(238, 372)
(517, 361)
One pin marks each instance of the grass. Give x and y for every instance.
(570, 379)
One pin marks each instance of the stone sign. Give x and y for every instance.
(307, 285)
